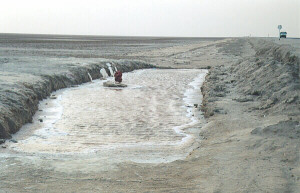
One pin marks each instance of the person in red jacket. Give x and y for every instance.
(118, 76)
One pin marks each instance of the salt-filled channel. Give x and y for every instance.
(153, 120)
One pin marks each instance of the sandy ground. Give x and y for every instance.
(249, 144)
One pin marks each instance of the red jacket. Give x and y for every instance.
(118, 76)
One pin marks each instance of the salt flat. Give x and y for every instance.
(249, 141)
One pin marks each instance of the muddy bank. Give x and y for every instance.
(19, 101)
(252, 108)
(269, 77)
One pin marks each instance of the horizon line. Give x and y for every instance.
(146, 36)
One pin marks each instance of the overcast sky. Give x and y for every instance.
(200, 18)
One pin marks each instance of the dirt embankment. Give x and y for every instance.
(252, 108)
(269, 77)
(20, 102)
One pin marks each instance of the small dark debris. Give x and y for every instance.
(256, 93)
(13, 140)
(243, 99)
(2, 141)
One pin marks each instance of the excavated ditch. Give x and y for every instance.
(155, 119)
(19, 104)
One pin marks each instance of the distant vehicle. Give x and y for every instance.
(283, 34)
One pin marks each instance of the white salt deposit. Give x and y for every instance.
(110, 69)
(153, 120)
(103, 73)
